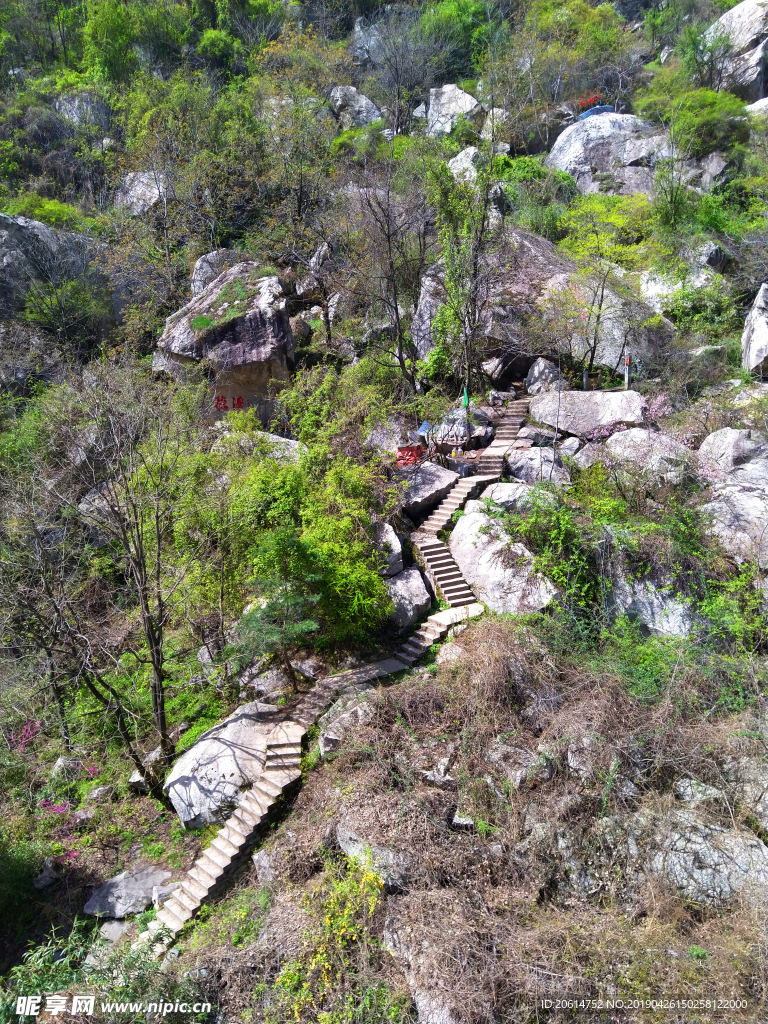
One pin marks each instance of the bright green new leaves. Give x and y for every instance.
(608, 229)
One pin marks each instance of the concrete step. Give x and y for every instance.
(227, 848)
(235, 827)
(458, 602)
(177, 909)
(203, 875)
(169, 919)
(183, 897)
(194, 888)
(406, 656)
(218, 861)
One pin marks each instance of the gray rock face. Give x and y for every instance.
(84, 107)
(522, 767)
(208, 267)
(620, 153)
(538, 280)
(704, 862)
(389, 547)
(446, 105)
(240, 324)
(738, 519)
(729, 449)
(584, 412)
(390, 866)
(353, 109)
(746, 28)
(414, 946)
(130, 892)
(656, 608)
(658, 457)
(139, 191)
(409, 596)
(496, 125)
(532, 465)
(544, 376)
(427, 484)
(351, 709)
(501, 574)
(463, 166)
(366, 44)
(754, 338)
(206, 780)
(512, 497)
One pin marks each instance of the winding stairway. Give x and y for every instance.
(282, 766)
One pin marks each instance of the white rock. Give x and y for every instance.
(351, 710)
(693, 792)
(449, 654)
(139, 191)
(754, 338)
(544, 376)
(392, 868)
(759, 107)
(730, 448)
(532, 465)
(738, 518)
(388, 545)
(207, 779)
(463, 166)
(570, 446)
(658, 609)
(410, 597)
(208, 267)
(130, 892)
(353, 109)
(427, 484)
(446, 105)
(583, 412)
(510, 496)
(495, 124)
(746, 28)
(501, 574)
(656, 456)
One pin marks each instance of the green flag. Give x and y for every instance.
(465, 399)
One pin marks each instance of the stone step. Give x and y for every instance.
(245, 818)
(177, 909)
(169, 919)
(194, 888)
(406, 657)
(268, 786)
(458, 602)
(202, 875)
(237, 830)
(184, 898)
(214, 861)
(228, 848)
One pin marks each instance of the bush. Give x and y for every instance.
(701, 120)
(218, 47)
(49, 211)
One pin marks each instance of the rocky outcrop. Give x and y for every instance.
(131, 891)
(388, 545)
(139, 191)
(352, 108)
(639, 453)
(536, 280)
(656, 606)
(745, 26)
(206, 781)
(463, 166)
(734, 451)
(620, 153)
(239, 324)
(584, 412)
(754, 338)
(208, 267)
(533, 465)
(409, 596)
(544, 376)
(446, 105)
(501, 574)
(84, 108)
(353, 708)
(391, 867)
(738, 519)
(512, 497)
(426, 485)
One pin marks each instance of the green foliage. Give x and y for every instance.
(602, 229)
(711, 311)
(108, 37)
(217, 47)
(463, 24)
(538, 196)
(701, 120)
(50, 211)
(54, 964)
(646, 663)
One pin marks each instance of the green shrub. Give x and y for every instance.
(711, 311)
(218, 47)
(701, 120)
(49, 211)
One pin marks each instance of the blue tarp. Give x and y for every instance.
(606, 109)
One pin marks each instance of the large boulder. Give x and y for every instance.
(388, 545)
(501, 574)
(208, 267)
(131, 891)
(545, 376)
(463, 166)
(533, 465)
(512, 497)
(205, 782)
(653, 603)
(391, 867)
(705, 862)
(239, 324)
(139, 191)
(745, 26)
(537, 281)
(647, 453)
(426, 485)
(740, 454)
(738, 519)
(366, 45)
(584, 413)
(620, 153)
(446, 105)
(353, 708)
(353, 109)
(754, 338)
(84, 107)
(409, 596)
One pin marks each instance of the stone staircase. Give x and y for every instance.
(456, 499)
(513, 417)
(282, 771)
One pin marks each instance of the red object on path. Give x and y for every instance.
(409, 454)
